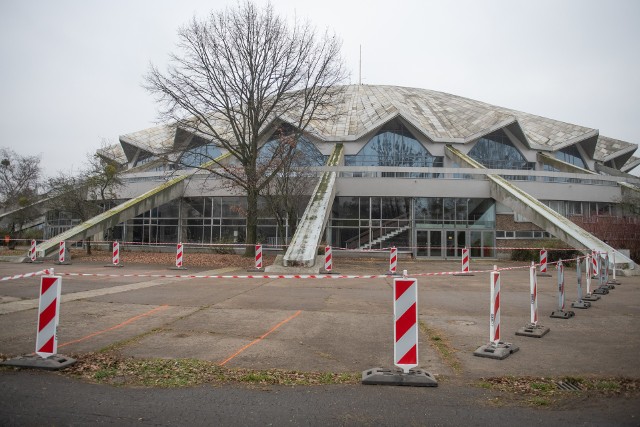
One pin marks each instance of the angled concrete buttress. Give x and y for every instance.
(164, 193)
(303, 247)
(540, 214)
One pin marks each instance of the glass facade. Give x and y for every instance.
(198, 155)
(201, 220)
(425, 226)
(304, 153)
(496, 151)
(394, 145)
(571, 155)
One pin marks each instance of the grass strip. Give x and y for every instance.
(443, 346)
(110, 368)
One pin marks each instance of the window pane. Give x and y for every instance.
(495, 151)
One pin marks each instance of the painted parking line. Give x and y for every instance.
(257, 340)
(118, 326)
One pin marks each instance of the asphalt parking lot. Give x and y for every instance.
(327, 325)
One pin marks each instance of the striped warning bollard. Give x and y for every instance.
(580, 302)
(179, 257)
(328, 261)
(543, 263)
(48, 313)
(62, 254)
(45, 356)
(464, 264)
(115, 258)
(589, 296)
(393, 261)
(494, 318)
(495, 349)
(613, 281)
(405, 331)
(405, 341)
(32, 251)
(258, 259)
(604, 273)
(560, 313)
(595, 264)
(533, 329)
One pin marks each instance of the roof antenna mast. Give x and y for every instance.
(360, 68)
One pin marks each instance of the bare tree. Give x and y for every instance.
(20, 178)
(237, 75)
(83, 195)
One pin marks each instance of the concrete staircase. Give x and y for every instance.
(303, 247)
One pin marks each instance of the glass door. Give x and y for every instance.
(429, 243)
(455, 241)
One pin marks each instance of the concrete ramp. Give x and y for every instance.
(303, 247)
(540, 214)
(164, 193)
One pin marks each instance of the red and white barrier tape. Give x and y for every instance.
(263, 276)
(23, 276)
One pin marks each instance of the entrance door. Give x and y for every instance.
(455, 241)
(429, 243)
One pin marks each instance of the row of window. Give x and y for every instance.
(522, 234)
(393, 145)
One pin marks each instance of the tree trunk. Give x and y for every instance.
(88, 242)
(252, 223)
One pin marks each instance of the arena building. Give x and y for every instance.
(424, 171)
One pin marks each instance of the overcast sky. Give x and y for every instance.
(71, 71)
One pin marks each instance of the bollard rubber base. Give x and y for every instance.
(581, 304)
(543, 275)
(328, 272)
(115, 265)
(33, 361)
(613, 282)
(561, 314)
(62, 263)
(601, 291)
(391, 273)
(395, 376)
(608, 286)
(499, 351)
(255, 270)
(591, 297)
(533, 331)
(177, 268)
